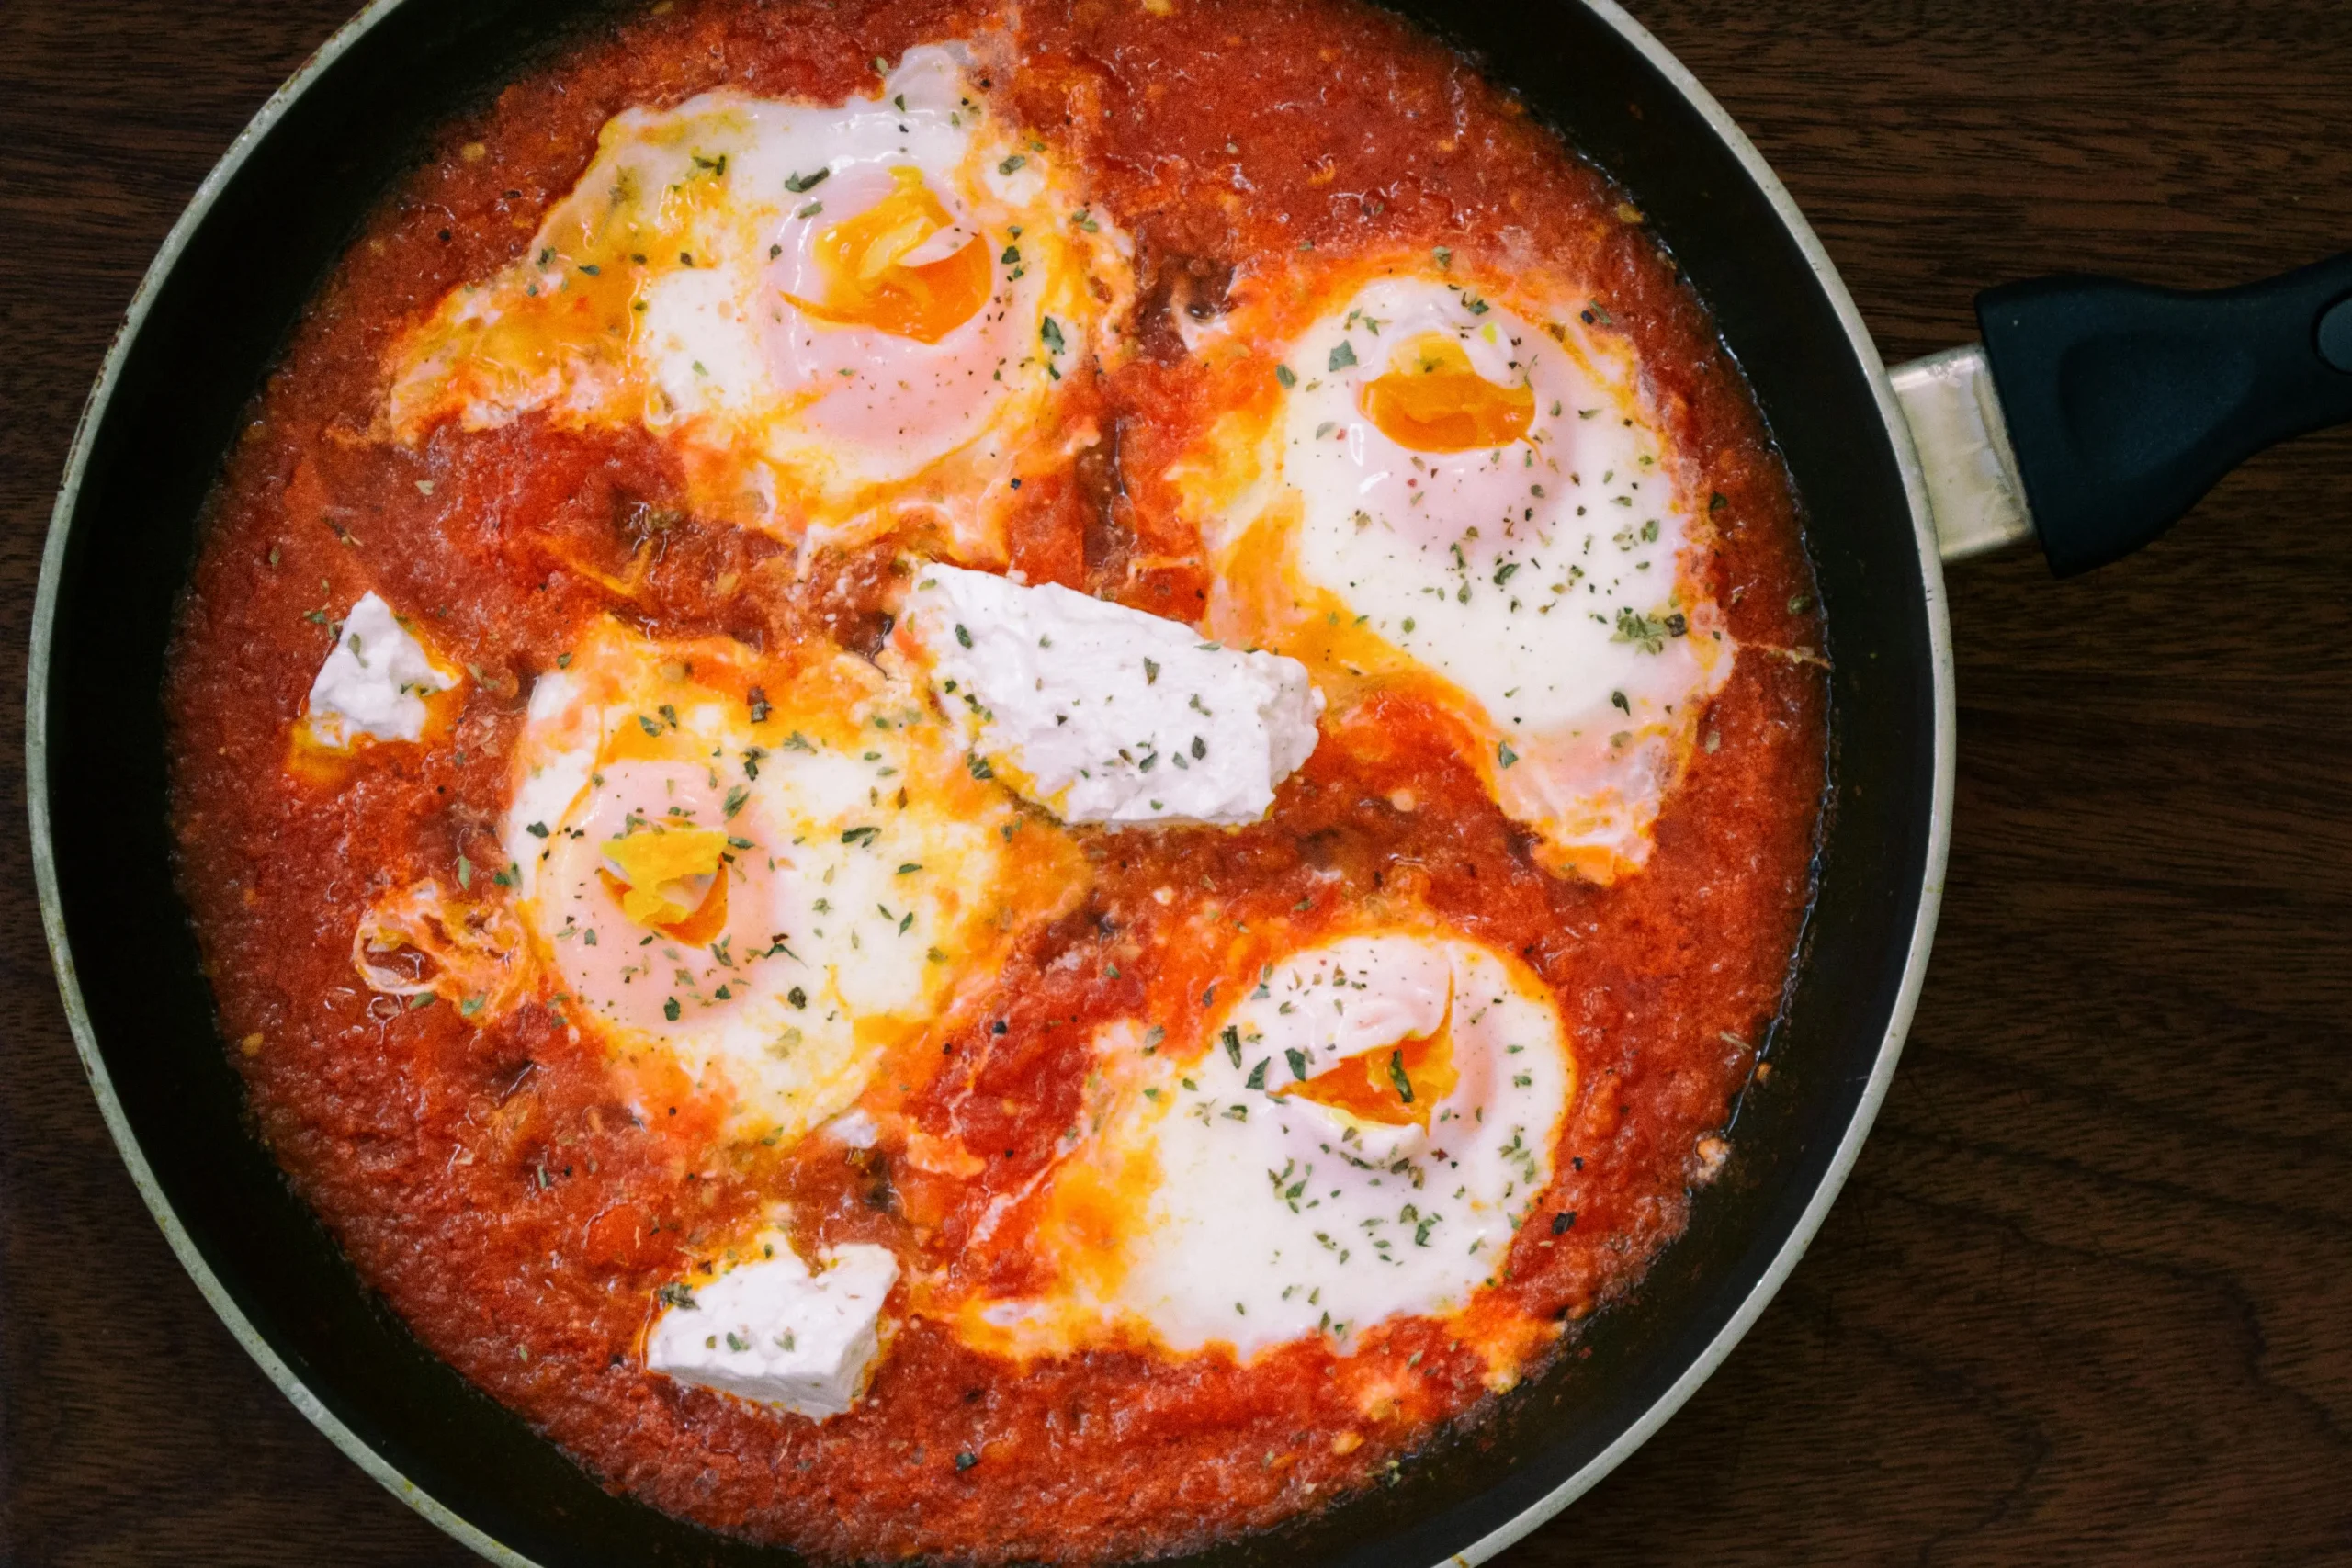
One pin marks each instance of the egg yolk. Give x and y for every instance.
(657, 873)
(868, 285)
(1431, 399)
(1396, 1085)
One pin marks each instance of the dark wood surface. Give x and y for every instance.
(2088, 1296)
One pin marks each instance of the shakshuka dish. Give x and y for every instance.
(1000, 780)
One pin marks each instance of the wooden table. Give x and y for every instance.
(2088, 1297)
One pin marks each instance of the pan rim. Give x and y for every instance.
(457, 1525)
(52, 915)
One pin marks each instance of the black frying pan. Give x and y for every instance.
(2122, 406)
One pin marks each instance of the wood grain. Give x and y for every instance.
(2088, 1297)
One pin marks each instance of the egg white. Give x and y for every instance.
(664, 292)
(1204, 1206)
(871, 880)
(1547, 594)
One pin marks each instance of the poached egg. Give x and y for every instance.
(1462, 493)
(838, 316)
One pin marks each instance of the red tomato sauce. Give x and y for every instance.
(490, 1181)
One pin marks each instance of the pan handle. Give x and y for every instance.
(2097, 411)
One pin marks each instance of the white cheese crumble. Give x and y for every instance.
(772, 1332)
(374, 683)
(1104, 714)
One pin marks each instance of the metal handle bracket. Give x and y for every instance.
(1973, 490)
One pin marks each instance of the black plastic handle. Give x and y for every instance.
(2125, 404)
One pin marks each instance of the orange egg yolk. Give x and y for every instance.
(657, 871)
(1431, 399)
(868, 285)
(1396, 1085)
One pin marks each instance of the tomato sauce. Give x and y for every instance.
(490, 1181)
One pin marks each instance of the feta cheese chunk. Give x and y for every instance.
(375, 682)
(772, 1332)
(1103, 714)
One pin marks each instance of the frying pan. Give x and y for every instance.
(2092, 415)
